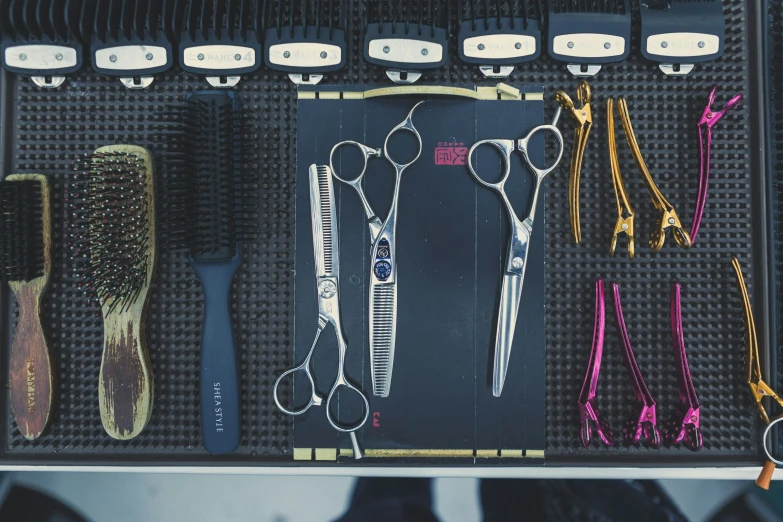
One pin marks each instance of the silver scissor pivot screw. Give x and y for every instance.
(323, 55)
(425, 52)
(327, 289)
(149, 56)
(200, 56)
(701, 45)
(237, 57)
(518, 45)
(113, 58)
(664, 44)
(386, 49)
(23, 57)
(58, 57)
(480, 47)
(286, 54)
(516, 263)
(570, 45)
(607, 45)
(671, 221)
(624, 226)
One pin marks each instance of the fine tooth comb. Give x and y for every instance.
(586, 34)
(43, 38)
(26, 254)
(115, 247)
(221, 39)
(679, 33)
(497, 41)
(406, 36)
(305, 38)
(213, 195)
(130, 40)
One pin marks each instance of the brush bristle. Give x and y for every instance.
(208, 192)
(21, 230)
(112, 239)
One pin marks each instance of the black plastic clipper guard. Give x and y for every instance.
(589, 32)
(399, 36)
(682, 31)
(308, 37)
(220, 37)
(130, 39)
(506, 34)
(44, 38)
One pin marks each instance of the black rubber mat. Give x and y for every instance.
(46, 130)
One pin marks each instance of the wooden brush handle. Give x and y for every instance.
(30, 376)
(125, 388)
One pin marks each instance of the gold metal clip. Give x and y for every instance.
(583, 122)
(668, 215)
(625, 213)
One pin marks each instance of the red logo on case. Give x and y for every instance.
(376, 419)
(451, 153)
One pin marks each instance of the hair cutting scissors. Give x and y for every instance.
(521, 230)
(383, 265)
(327, 270)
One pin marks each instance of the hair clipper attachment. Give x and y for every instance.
(588, 34)
(499, 36)
(130, 39)
(680, 33)
(406, 36)
(44, 38)
(220, 39)
(305, 38)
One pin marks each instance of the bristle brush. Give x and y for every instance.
(114, 245)
(26, 255)
(203, 167)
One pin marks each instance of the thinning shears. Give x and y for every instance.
(521, 230)
(327, 270)
(383, 265)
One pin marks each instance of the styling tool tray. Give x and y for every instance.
(46, 130)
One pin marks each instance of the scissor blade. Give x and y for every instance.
(323, 213)
(510, 296)
(383, 333)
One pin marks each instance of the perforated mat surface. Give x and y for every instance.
(47, 130)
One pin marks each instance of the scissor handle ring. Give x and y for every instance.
(406, 125)
(344, 382)
(522, 145)
(367, 153)
(764, 441)
(505, 147)
(315, 399)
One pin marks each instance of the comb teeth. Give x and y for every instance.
(320, 15)
(409, 16)
(478, 9)
(211, 196)
(52, 21)
(382, 337)
(228, 20)
(589, 6)
(21, 230)
(111, 238)
(324, 191)
(128, 20)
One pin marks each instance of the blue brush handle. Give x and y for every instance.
(219, 384)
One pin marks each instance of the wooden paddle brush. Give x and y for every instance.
(26, 258)
(115, 246)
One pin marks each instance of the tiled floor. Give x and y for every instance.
(126, 497)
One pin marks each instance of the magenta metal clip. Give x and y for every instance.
(588, 411)
(643, 420)
(709, 119)
(685, 425)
